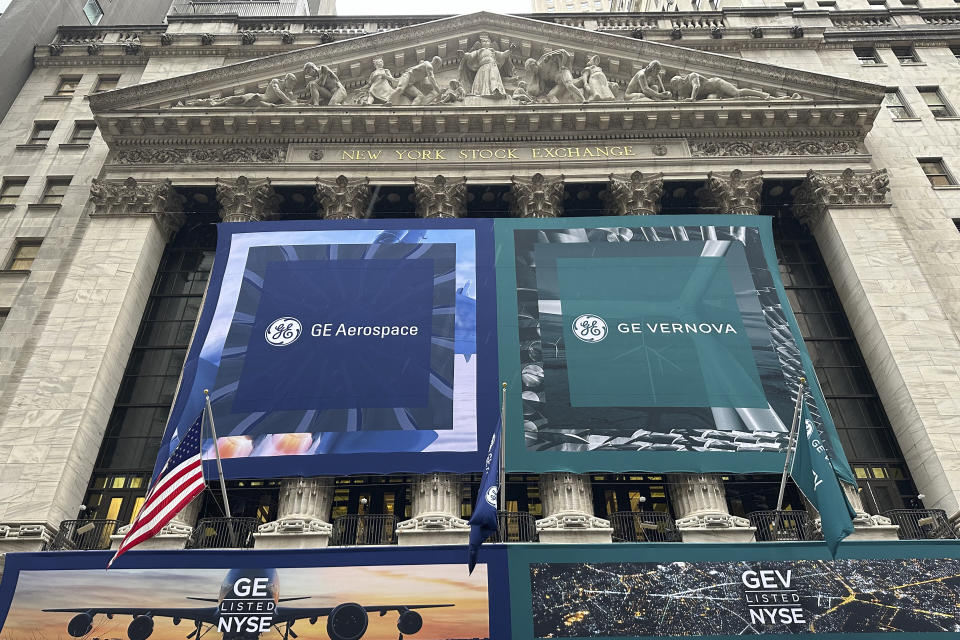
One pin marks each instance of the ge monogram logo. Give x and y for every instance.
(283, 331)
(590, 328)
(491, 496)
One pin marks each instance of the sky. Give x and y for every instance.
(428, 7)
(328, 586)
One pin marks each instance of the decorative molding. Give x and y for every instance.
(805, 147)
(738, 194)
(537, 196)
(821, 191)
(206, 39)
(202, 155)
(247, 38)
(440, 197)
(132, 197)
(245, 200)
(344, 198)
(297, 523)
(635, 194)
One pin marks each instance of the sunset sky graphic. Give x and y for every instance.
(326, 586)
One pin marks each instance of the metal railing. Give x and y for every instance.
(643, 526)
(366, 529)
(773, 526)
(83, 535)
(922, 524)
(515, 526)
(223, 533)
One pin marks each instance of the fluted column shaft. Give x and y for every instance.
(567, 502)
(701, 512)
(435, 502)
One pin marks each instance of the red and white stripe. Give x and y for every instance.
(172, 492)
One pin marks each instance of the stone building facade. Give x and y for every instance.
(839, 123)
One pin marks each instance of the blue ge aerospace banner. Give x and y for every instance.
(658, 344)
(345, 348)
(341, 594)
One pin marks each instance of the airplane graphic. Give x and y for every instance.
(249, 604)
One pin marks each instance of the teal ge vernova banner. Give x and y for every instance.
(649, 343)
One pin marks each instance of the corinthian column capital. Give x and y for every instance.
(738, 193)
(441, 197)
(537, 196)
(132, 197)
(821, 191)
(246, 200)
(343, 198)
(635, 194)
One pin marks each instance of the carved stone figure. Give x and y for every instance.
(277, 93)
(693, 86)
(343, 198)
(537, 197)
(550, 78)
(380, 84)
(323, 85)
(480, 69)
(440, 198)
(647, 84)
(418, 83)
(453, 93)
(596, 87)
(635, 194)
(520, 93)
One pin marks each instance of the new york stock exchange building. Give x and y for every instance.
(638, 267)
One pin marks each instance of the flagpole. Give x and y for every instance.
(216, 449)
(791, 444)
(501, 472)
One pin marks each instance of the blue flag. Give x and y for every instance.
(815, 476)
(483, 522)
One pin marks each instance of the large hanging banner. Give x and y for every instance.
(735, 590)
(334, 348)
(659, 344)
(340, 594)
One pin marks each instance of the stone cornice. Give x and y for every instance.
(701, 119)
(532, 37)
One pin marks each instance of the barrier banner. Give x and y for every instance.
(334, 348)
(659, 344)
(341, 594)
(734, 590)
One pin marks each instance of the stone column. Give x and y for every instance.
(701, 513)
(737, 193)
(634, 194)
(566, 498)
(246, 200)
(441, 197)
(304, 503)
(567, 501)
(344, 198)
(838, 208)
(102, 301)
(302, 514)
(699, 500)
(436, 517)
(537, 196)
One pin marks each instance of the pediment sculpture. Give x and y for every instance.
(485, 75)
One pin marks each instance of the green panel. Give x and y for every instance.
(906, 586)
(674, 338)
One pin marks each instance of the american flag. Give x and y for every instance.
(180, 481)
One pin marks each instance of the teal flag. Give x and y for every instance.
(815, 476)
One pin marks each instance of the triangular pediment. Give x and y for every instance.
(527, 66)
(528, 42)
